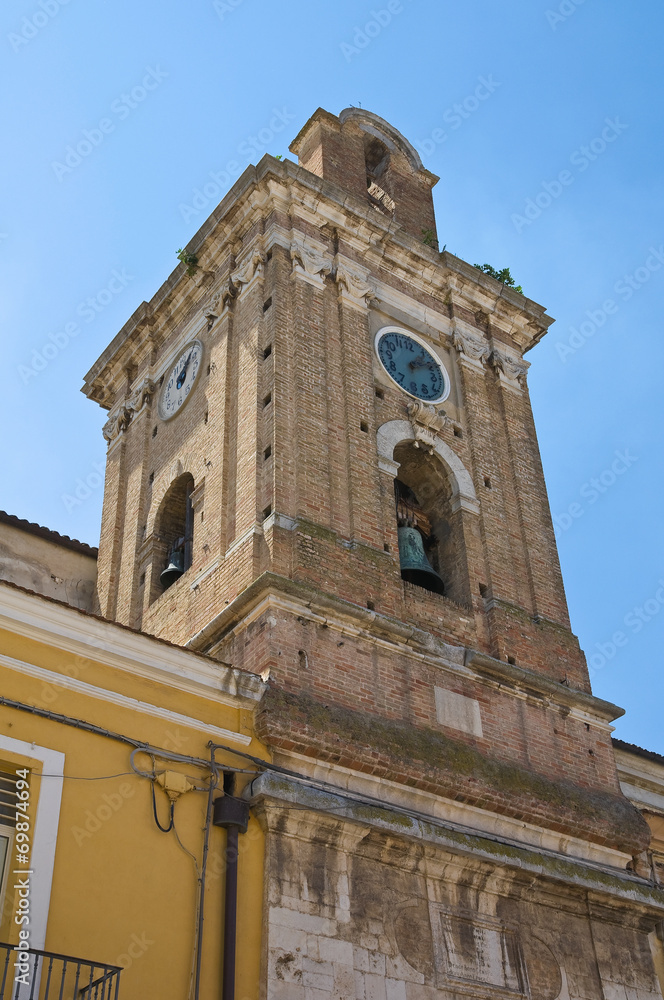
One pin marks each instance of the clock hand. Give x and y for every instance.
(183, 373)
(419, 362)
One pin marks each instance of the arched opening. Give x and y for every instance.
(418, 546)
(377, 162)
(423, 494)
(174, 527)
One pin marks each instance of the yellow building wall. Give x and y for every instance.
(124, 892)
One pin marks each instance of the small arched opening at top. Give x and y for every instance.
(174, 528)
(377, 163)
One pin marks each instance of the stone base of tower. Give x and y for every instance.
(376, 903)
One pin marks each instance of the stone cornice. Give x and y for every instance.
(510, 675)
(306, 601)
(376, 240)
(429, 832)
(479, 820)
(641, 780)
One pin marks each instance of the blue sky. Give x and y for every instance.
(552, 167)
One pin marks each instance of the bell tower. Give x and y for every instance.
(277, 447)
(320, 428)
(322, 468)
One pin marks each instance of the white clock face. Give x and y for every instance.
(180, 380)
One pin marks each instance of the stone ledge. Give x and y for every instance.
(392, 630)
(282, 790)
(518, 677)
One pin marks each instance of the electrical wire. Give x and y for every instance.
(214, 781)
(157, 753)
(199, 874)
(80, 777)
(164, 829)
(187, 851)
(90, 727)
(140, 746)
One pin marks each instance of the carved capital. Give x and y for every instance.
(427, 422)
(252, 267)
(120, 419)
(117, 423)
(514, 369)
(142, 395)
(309, 263)
(353, 285)
(472, 347)
(219, 301)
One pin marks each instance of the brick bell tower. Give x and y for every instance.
(322, 463)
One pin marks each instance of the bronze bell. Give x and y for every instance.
(415, 567)
(175, 568)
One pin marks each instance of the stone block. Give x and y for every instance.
(285, 991)
(287, 938)
(302, 921)
(344, 981)
(613, 991)
(456, 711)
(335, 950)
(375, 987)
(395, 989)
(312, 980)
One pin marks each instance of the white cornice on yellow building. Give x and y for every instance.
(82, 634)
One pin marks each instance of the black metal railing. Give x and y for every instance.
(45, 975)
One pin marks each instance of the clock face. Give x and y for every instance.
(180, 380)
(411, 365)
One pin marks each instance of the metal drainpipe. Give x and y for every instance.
(233, 815)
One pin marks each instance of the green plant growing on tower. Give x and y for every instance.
(429, 238)
(503, 276)
(190, 259)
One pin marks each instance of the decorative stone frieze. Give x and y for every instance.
(249, 270)
(117, 423)
(309, 263)
(473, 349)
(220, 299)
(511, 370)
(142, 395)
(427, 422)
(121, 418)
(354, 288)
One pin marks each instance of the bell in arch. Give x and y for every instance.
(415, 567)
(175, 567)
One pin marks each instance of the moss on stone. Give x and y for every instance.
(309, 529)
(312, 530)
(373, 813)
(456, 767)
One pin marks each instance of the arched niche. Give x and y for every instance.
(396, 432)
(379, 183)
(172, 528)
(444, 490)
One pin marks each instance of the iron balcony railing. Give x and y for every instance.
(49, 976)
